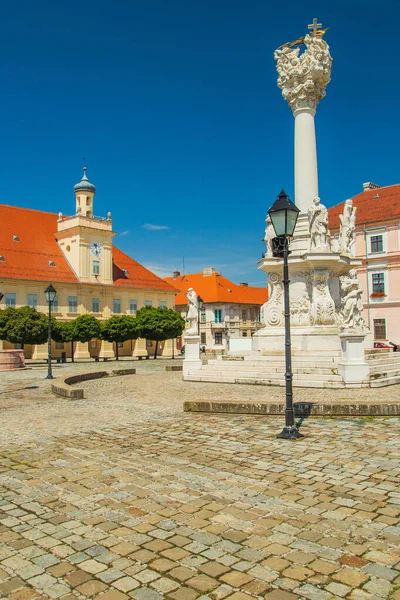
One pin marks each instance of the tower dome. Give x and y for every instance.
(84, 185)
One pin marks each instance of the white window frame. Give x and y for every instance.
(98, 304)
(373, 325)
(373, 269)
(32, 304)
(372, 233)
(131, 310)
(148, 303)
(120, 306)
(96, 267)
(10, 299)
(71, 308)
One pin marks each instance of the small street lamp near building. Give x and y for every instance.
(283, 214)
(200, 303)
(50, 294)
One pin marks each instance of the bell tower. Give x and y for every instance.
(84, 193)
(85, 240)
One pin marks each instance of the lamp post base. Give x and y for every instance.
(290, 433)
(49, 377)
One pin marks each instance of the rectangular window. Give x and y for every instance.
(72, 304)
(244, 333)
(203, 338)
(378, 283)
(59, 345)
(380, 329)
(218, 338)
(218, 315)
(244, 315)
(55, 304)
(163, 304)
(376, 243)
(149, 303)
(132, 307)
(203, 316)
(32, 300)
(116, 307)
(96, 267)
(95, 305)
(11, 300)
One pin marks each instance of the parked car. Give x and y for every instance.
(182, 352)
(388, 345)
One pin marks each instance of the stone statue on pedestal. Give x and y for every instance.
(193, 313)
(318, 225)
(347, 236)
(269, 235)
(352, 305)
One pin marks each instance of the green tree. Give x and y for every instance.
(26, 325)
(5, 315)
(62, 332)
(119, 329)
(159, 324)
(85, 328)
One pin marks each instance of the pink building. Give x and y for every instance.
(378, 244)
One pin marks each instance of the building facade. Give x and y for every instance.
(76, 254)
(229, 311)
(378, 245)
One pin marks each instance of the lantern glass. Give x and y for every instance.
(283, 214)
(50, 293)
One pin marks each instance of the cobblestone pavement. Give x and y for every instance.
(148, 502)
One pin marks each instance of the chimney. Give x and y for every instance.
(208, 271)
(370, 186)
(244, 284)
(176, 274)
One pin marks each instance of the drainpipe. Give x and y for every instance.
(366, 272)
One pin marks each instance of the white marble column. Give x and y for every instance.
(305, 158)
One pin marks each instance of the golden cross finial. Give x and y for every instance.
(314, 27)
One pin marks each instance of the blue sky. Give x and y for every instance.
(175, 105)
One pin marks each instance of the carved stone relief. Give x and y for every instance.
(323, 306)
(272, 311)
(303, 78)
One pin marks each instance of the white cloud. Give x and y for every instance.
(125, 232)
(159, 270)
(152, 227)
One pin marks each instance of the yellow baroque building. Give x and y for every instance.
(76, 254)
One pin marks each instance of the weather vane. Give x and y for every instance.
(315, 32)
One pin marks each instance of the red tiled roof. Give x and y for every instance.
(29, 258)
(216, 288)
(371, 209)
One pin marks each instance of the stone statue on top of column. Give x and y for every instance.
(303, 78)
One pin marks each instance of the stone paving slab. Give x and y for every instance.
(136, 499)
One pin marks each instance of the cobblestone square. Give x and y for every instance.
(122, 495)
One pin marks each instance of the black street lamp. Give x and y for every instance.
(50, 294)
(283, 214)
(200, 303)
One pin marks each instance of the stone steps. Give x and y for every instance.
(201, 376)
(266, 375)
(296, 369)
(385, 381)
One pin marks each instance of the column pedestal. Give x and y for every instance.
(353, 366)
(192, 354)
(39, 352)
(167, 348)
(106, 349)
(140, 347)
(81, 351)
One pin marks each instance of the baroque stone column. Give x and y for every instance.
(303, 79)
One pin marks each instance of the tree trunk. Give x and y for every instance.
(116, 351)
(155, 351)
(72, 351)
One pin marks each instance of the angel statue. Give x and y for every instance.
(269, 235)
(192, 316)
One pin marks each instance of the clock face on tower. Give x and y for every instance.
(95, 249)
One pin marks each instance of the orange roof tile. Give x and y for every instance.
(371, 209)
(216, 288)
(29, 258)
